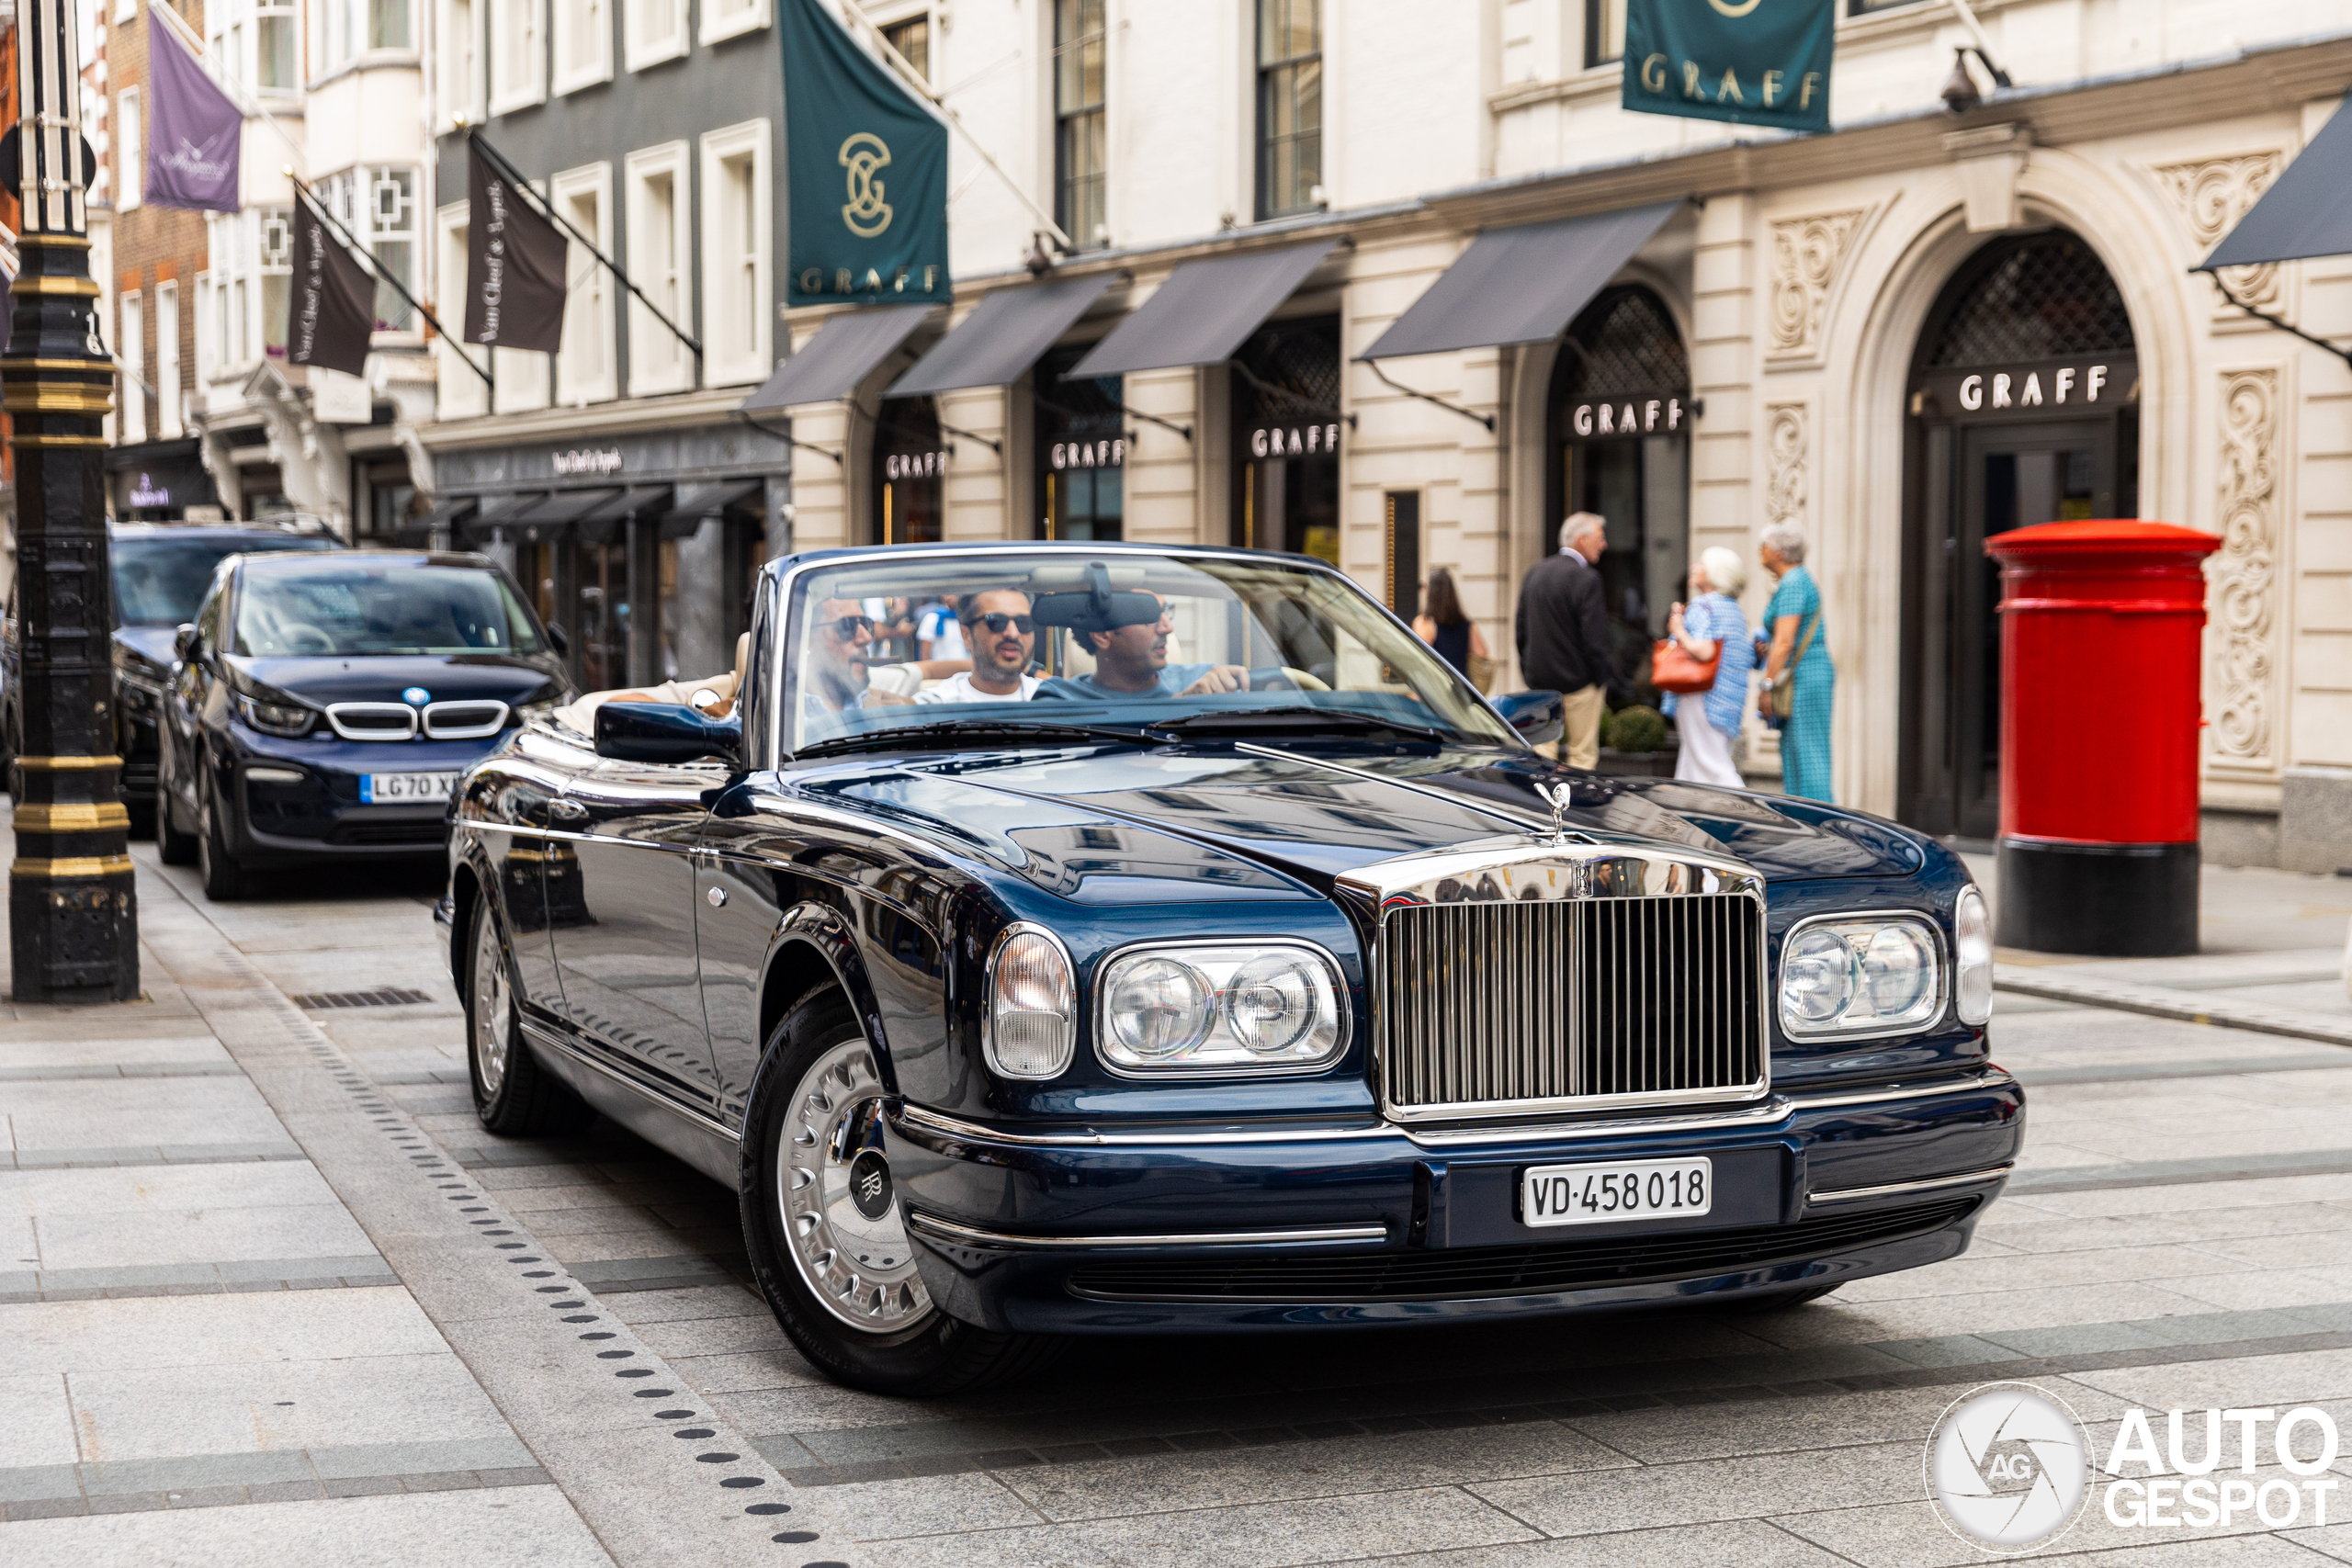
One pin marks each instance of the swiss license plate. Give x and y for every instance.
(405, 789)
(1622, 1189)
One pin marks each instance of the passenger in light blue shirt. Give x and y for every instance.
(1131, 660)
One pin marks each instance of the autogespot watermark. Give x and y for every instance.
(2009, 1468)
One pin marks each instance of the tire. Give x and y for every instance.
(224, 878)
(176, 847)
(872, 1326)
(514, 1096)
(1777, 1301)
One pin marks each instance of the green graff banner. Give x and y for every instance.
(866, 164)
(1756, 61)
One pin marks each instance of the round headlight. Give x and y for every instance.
(1817, 977)
(1158, 1007)
(1272, 1003)
(1899, 968)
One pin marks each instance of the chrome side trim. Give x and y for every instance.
(1897, 1189)
(541, 1034)
(968, 1235)
(1780, 1108)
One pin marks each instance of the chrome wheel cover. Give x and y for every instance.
(861, 1267)
(493, 1023)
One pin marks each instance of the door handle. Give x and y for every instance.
(717, 895)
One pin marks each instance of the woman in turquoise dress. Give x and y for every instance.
(1794, 621)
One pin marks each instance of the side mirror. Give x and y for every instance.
(558, 639)
(187, 643)
(1537, 715)
(665, 732)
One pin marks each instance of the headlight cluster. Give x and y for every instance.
(1860, 975)
(1972, 932)
(1031, 1026)
(1219, 1007)
(288, 719)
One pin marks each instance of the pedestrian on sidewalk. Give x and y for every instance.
(1711, 627)
(1799, 684)
(1563, 635)
(1456, 637)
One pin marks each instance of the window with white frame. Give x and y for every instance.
(331, 35)
(125, 11)
(583, 44)
(661, 248)
(168, 398)
(132, 351)
(459, 42)
(378, 207)
(258, 43)
(652, 31)
(252, 255)
(585, 371)
(130, 148)
(461, 391)
(736, 248)
(518, 56)
(732, 18)
(208, 351)
(390, 25)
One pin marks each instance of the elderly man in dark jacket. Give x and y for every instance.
(1564, 635)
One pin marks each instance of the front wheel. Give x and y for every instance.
(224, 877)
(826, 1232)
(514, 1095)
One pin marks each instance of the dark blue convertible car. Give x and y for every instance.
(324, 706)
(1208, 956)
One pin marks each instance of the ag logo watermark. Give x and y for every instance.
(2008, 1467)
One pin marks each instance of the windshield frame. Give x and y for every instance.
(781, 582)
(242, 584)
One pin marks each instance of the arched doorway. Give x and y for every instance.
(2023, 407)
(1618, 424)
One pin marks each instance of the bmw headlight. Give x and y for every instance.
(1972, 941)
(1031, 1023)
(1860, 975)
(290, 720)
(1220, 1007)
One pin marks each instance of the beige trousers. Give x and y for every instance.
(1580, 732)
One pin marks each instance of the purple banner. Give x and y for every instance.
(193, 132)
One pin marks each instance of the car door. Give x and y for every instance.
(179, 735)
(621, 920)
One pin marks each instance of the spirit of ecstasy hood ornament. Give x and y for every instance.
(1559, 797)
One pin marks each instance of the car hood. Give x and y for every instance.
(149, 647)
(1212, 815)
(381, 678)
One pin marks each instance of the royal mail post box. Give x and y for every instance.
(2101, 627)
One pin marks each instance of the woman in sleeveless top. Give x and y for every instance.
(1444, 627)
(1799, 653)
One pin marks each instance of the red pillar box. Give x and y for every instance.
(2102, 626)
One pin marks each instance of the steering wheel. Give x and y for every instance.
(1305, 681)
(301, 637)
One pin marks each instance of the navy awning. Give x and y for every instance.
(705, 501)
(1005, 334)
(843, 352)
(2306, 213)
(1520, 284)
(602, 522)
(502, 513)
(1202, 312)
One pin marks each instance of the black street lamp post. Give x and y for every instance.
(72, 910)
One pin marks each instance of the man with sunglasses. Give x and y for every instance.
(842, 634)
(1003, 640)
(1131, 659)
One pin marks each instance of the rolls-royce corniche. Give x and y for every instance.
(1170, 942)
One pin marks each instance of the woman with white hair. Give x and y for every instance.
(1709, 626)
(1799, 655)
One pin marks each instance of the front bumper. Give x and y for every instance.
(322, 817)
(1231, 1228)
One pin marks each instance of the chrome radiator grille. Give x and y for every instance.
(1487, 1006)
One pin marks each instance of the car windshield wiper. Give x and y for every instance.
(977, 731)
(1291, 717)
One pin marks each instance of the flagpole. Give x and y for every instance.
(381, 275)
(475, 137)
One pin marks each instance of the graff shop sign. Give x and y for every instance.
(1294, 441)
(2046, 390)
(1640, 415)
(1752, 61)
(914, 465)
(1106, 453)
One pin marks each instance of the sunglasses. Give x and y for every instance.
(997, 621)
(848, 627)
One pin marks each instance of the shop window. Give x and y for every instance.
(1078, 122)
(1620, 417)
(1286, 437)
(386, 503)
(585, 371)
(583, 45)
(1290, 106)
(652, 31)
(518, 62)
(1401, 513)
(1082, 438)
(912, 40)
(601, 637)
(910, 473)
(735, 248)
(1604, 31)
(661, 240)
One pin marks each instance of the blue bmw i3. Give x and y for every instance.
(322, 707)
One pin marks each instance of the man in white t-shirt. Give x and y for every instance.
(1003, 640)
(939, 633)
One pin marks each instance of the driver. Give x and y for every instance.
(1131, 660)
(1003, 640)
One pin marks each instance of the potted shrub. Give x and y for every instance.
(1634, 741)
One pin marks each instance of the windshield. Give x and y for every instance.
(1121, 639)
(354, 604)
(160, 582)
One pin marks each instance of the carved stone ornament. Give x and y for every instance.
(1785, 440)
(1806, 252)
(2213, 195)
(2244, 573)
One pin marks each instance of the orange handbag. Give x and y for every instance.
(1673, 670)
